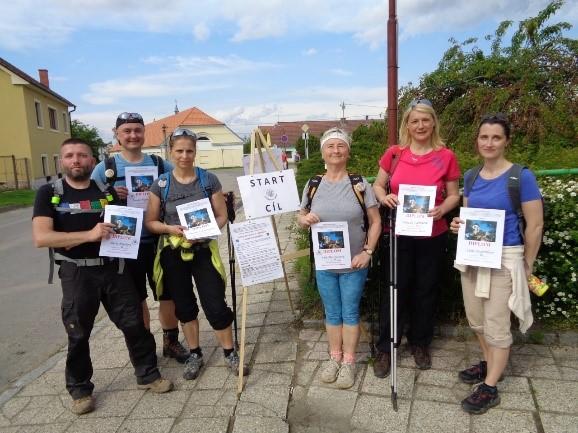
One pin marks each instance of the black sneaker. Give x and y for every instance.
(172, 348)
(481, 399)
(192, 366)
(476, 373)
(382, 364)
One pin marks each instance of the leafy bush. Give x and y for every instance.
(557, 263)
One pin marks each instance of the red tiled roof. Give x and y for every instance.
(34, 82)
(316, 127)
(154, 135)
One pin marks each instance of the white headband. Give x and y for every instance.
(336, 133)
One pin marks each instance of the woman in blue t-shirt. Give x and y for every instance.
(490, 295)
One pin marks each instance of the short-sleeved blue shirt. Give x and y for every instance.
(493, 194)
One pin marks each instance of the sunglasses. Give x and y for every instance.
(182, 132)
(492, 117)
(129, 118)
(423, 101)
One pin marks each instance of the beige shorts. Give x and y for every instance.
(489, 317)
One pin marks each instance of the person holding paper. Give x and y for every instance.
(130, 133)
(491, 295)
(421, 158)
(179, 259)
(336, 199)
(68, 218)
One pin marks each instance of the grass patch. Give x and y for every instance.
(21, 197)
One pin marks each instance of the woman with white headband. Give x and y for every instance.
(421, 158)
(337, 196)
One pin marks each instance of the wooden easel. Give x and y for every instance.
(259, 144)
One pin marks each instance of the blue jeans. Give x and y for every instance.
(341, 295)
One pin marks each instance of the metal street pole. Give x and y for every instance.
(392, 68)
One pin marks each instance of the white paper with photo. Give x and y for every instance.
(138, 182)
(415, 201)
(269, 193)
(125, 241)
(481, 237)
(256, 251)
(269, 165)
(331, 245)
(199, 219)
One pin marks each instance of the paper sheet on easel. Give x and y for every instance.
(268, 194)
(269, 165)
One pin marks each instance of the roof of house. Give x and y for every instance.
(154, 134)
(34, 82)
(293, 130)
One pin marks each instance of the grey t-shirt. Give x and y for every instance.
(336, 201)
(179, 193)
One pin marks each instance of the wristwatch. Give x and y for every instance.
(368, 251)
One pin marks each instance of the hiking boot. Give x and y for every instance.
(82, 405)
(193, 366)
(480, 400)
(329, 371)
(159, 386)
(172, 348)
(421, 357)
(233, 362)
(382, 364)
(476, 373)
(346, 376)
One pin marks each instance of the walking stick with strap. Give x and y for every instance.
(393, 306)
(230, 202)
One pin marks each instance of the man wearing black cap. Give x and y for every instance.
(130, 133)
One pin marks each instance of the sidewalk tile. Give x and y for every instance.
(210, 404)
(265, 401)
(204, 425)
(438, 393)
(40, 410)
(429, 416)
(518, 401)
(382, 387)
(498, 420)
(556, 395)
(304, 372)
(514, 384)
(159, 425)
(376, 414)
(168, 405)
(50, 383)
(253, 424)
(100, 425)
(12, 407)
(280, 374)
(276, 352)
(279, 318)
(557, 423)
(212, 377)
(330, 404)
(115, 403)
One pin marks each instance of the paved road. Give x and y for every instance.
(30, 327)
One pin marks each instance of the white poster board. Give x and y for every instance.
(415, 201)
(269, 165)
(256, 251)
(481, 238)
(268, 194)
(138, 182)
(199, 219)
(125, 241)
(331, 245)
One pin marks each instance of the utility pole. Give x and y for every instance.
(392, 74)
(342, 105)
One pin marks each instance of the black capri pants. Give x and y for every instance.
(178, 285)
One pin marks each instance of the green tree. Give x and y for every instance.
(89, 134)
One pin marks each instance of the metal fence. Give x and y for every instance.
(14, 172)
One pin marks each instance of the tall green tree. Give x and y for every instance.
(89, 134)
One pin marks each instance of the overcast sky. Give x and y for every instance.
(245, 62)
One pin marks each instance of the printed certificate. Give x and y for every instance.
(127, 230)
(415, 201)
(256, 251)
(199, 219)
(138, 182)
(481, 238)
(331, 245)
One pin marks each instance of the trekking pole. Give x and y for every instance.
(230, 202)
(393, 307)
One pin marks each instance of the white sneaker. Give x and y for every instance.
(329, 371)
(346, 376)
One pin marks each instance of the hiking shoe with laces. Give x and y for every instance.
(476, 373)
(481, 399)
(422, 357)
(233, 363)
(82, 405)
(346, 376)
(159, 386)
(172, 348)
(382, 364)
(193, 366)
(329, 371)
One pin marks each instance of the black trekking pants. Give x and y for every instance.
(83, 289)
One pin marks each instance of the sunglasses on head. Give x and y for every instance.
(129, 118)
(501, 117)
(182, 132)
(423, 101)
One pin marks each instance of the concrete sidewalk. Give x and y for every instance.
(283, 393)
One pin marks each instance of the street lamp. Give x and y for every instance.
(305, 129)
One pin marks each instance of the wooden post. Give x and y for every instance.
(242, 348)
(15, 171)
(27, 168)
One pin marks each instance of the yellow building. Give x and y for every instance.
(34, 121)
